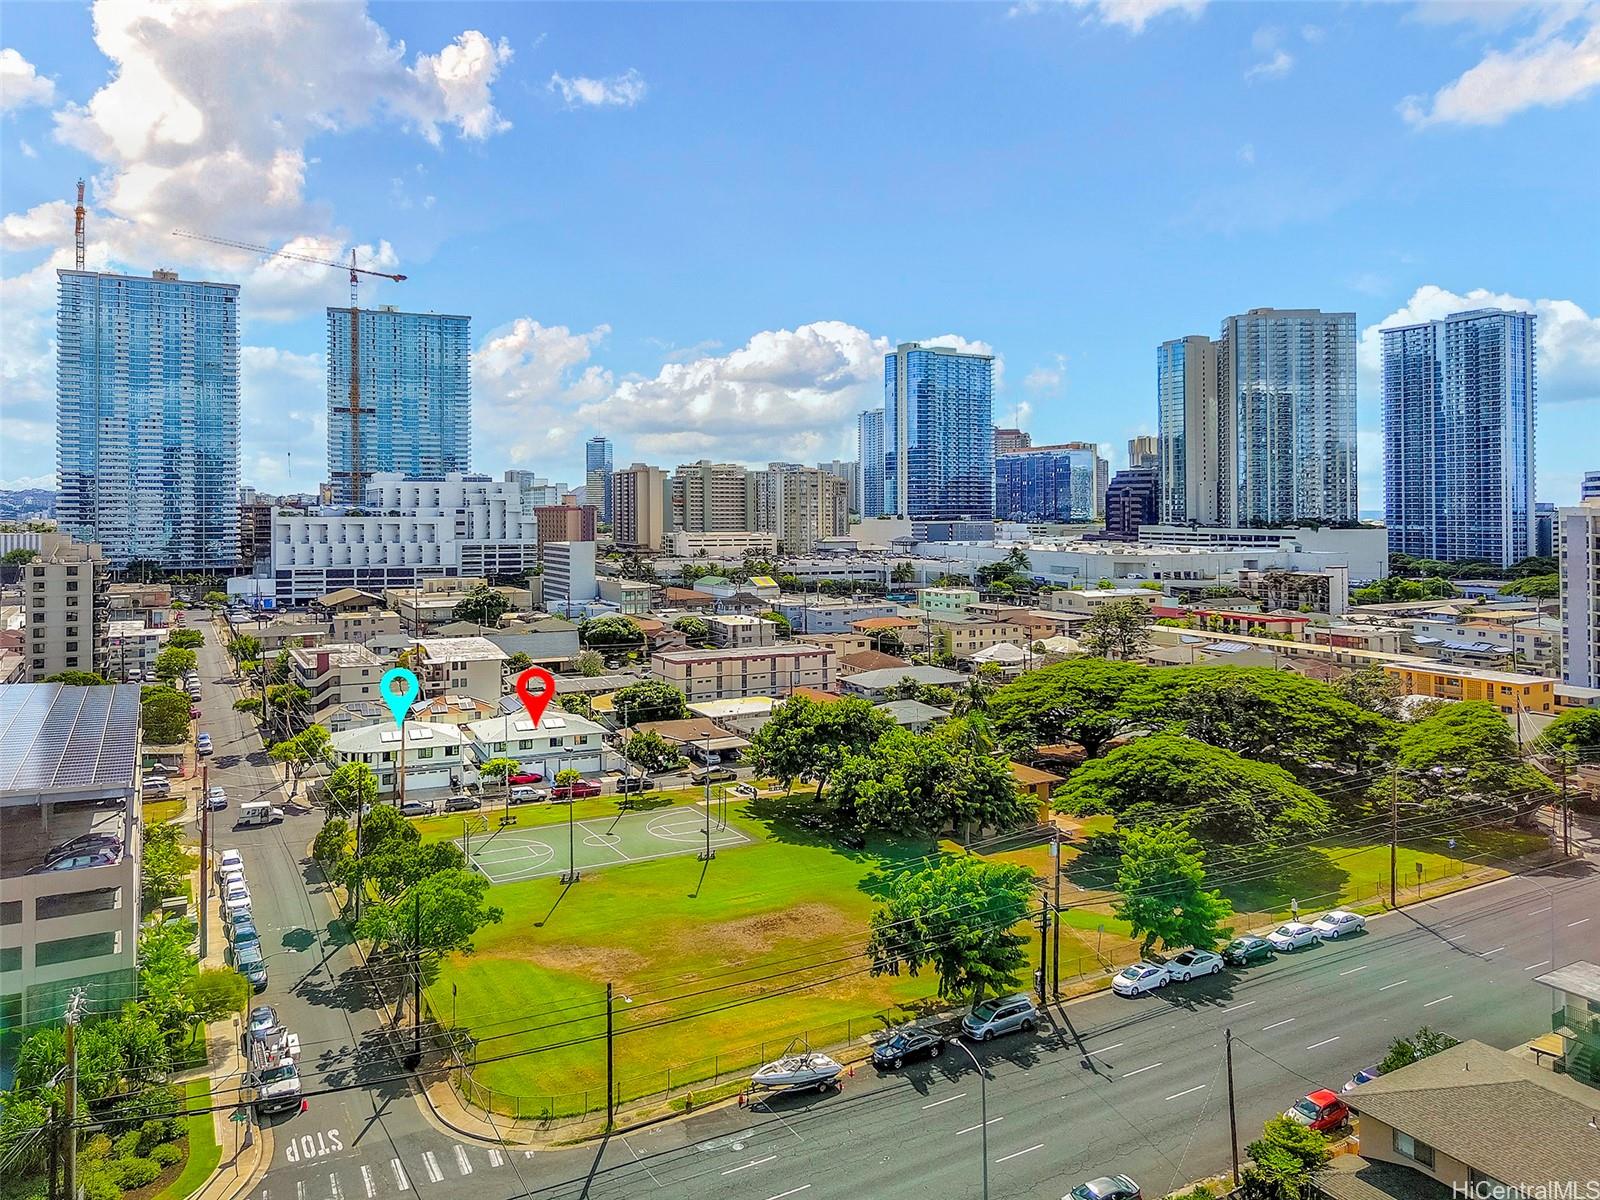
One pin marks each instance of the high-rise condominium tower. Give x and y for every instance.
(597, 485)
(869, 452)
(1458, 430)
(415, 393)
(147, 417)
(938, 434)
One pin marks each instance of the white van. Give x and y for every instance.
(258, 812)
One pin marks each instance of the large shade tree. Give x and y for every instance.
(1463, 759)
(806, 740)
(1162, 893)
(1079, 701)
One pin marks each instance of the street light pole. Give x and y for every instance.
(1233, 1117)
(611, 1085)
(983, 1111)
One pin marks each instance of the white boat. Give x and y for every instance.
(793, 1072)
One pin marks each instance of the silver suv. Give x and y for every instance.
(1004, 1014)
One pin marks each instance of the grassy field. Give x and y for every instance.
(676, 936)
(159, 812)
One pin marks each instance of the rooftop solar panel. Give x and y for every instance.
(55, 736)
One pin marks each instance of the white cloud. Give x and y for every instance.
(1312, 33)
(20, 84)
(27, 148)
(1132, 15)
(528, 380)
(1279, 64)
(1047, 377)
(619, 91)
(1545, 70)
(1568, 339)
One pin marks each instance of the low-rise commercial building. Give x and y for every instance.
(71, 768)
(750, 671)
(741, 715)
(731, 544)
(703, 742)
(632, 597)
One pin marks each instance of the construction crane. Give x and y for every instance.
(355, 475)
(77, 230)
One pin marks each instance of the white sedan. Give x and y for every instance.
(1292, 935)
(1331, 925)
(1192, 964)
(1140, 978)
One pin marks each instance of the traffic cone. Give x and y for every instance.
(741, 1099)
(305, 1105)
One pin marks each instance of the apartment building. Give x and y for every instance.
(730, 630)
(460, 666)
(336, 673)
(965, 636)
(568, 578)
(641, 507)
(131, 649)
(560, 741)
(68, 620)
(808, 614)
(633, 597)
(565, 522)
(70, 769)
(433, 754)
(747, 671)
(710, 497)
(946, 601)
(1510, 692)
(1579, 569)
(801, 505)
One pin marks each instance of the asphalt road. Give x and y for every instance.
(1114, 1085)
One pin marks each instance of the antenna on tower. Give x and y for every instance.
(77, 227)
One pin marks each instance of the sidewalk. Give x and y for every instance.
(246, 1149)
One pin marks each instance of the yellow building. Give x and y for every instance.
(1510, 693)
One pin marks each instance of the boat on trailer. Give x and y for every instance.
(798, 1072)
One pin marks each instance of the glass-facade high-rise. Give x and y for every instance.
(1458, 432)
(869, 453)
(1047, 483)
(147, 417)
(416, 396)
(597, 485)
(1287, 379)
(938, 444)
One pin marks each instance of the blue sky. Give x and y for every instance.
(695, 228)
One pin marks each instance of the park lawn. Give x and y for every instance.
(201, 1150)
(159, 812)
(783, 919)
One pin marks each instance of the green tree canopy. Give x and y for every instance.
(649, 751)
(694, 628)
(782, 622)
(1371, 688)
(649, 700)
(163, 863)
(1283, 1160)
(332, 847)
(349, 787)
(1118, 629)
(165, 714)
(186, 639)
(925, 783)
(1578, 729)
(1464, 757)
(173, 662)
(1404, 1051)
(1391, 589)
(447, 906)
(517, 663)
(1535, 587)
(1161, 882)
(610, 631)
(805, 740)
(77, 679)
(1078, 701)
(590, 663)
(243, 647)
(18, 558)
(483, 605)
(961, 916)
(1220, 797)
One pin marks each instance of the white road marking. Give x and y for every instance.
(366, 1181)
(462, 1161)
(300, 1189)
(1189, 1091)
(636, 1159)
(400, 1180)
(496, 1159)
(1107, 1049)
(1276, 1024)
(1364, 966)
(970, 1128)
(1019, 1153)
(1237, 1007)
(334, 1189)
(1396, 983)
(431, 1164)
(1496, 950)
(946, 1100)
(1537, 911)
(1440, 1000)
(1579, 921)
(754, 1162)
(1537, 965)
(791, 1192)
(1324, 1042)
(1142, 1070)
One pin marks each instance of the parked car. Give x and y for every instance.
(1322, 1110)
(194, 712)
(155, 786)
(263, 1020)
(229, 858)
(1331, 925)
(635, 783)
(202, 744)
(1140, 978)
(235, 888)
(236, 908)
(1003, 1014)
(216, 797)
(243, 930)
(528, 795)
(526, 777)
(230, 876)
(416, 808)
(462, 804)
(74, 862)
(1243, 951)
(251, 963)
(572, 791)
(85, 843)
(703, 775)
(1365, 1075)
(904, 1045)
(1192, 964)
(1292, 935)
(1107, 1187)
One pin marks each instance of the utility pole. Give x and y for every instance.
(416, 981)
(69, 1176)
(611, 1085)
(1565, 757)
(1394, 828)
(55, 1150)
(1044, 956)
(205, 861)
(1233, 1116)
(1055, 948)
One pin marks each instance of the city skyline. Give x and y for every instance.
(771, 354)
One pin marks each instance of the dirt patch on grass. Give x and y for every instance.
(763, 931)
(596, 962)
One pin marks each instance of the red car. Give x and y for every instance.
(1321, 1110)
(572, 791)
(527, 777)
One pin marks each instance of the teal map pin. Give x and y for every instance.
(400, 701)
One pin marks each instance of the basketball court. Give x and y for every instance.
(515, 854)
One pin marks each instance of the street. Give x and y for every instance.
(1133, 1086)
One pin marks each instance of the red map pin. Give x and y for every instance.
(536, 702)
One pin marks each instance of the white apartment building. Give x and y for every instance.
(568, 574)
(131, 649)
(731, 544)
(70, 769)
(336, 673)
(750, 671)
(65, 593)
(409, 530)
(460, 666)
(732, 630)
(558, 742)
(433, 754)
(1579, 565)
(801, 505)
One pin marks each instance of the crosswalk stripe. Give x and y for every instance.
(299, 1189)
(463, 1161)
(400, 1180)
(366, 1181)
(435, 1175)
(496, 1159)
(334, 1189)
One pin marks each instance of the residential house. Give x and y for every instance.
(733, 630)
(703, 742)
(465, 666)
(432, 755)
(873, 684)
(335, 674)
(550, 642)
(912, 714)
(742, 715)
(1576, 1019)
(559, 742)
